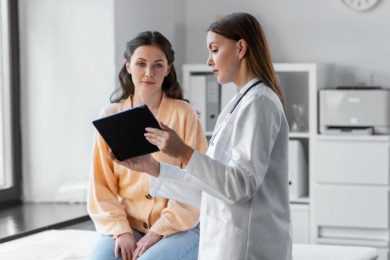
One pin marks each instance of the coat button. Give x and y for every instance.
(146, 225)
(148, 196)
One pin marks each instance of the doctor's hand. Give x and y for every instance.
(167, 140)
(145, 243)
(144, 163)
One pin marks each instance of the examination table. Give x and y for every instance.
(77, 245)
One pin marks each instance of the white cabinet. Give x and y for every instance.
(352, 206)
(300, 219)
(383, 254)
(351, 191)
(352, 161)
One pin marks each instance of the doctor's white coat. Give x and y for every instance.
(241, 184)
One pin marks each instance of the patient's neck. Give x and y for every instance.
(152, 100)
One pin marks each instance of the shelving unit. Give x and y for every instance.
(299, 83)
(347, 196)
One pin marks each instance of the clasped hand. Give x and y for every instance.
(127, 247)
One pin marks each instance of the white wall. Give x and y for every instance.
(71, 52)
(133, 17)
(67, 75)
(355, 45)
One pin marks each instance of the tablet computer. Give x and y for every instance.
(124, 132)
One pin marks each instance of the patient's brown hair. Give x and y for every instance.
(170, 85)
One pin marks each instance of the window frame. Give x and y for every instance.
(11, 130)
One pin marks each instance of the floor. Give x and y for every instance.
(85, 225)
(28, 218)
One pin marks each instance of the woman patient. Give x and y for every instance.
(132, 224)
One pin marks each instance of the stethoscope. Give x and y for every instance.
(233, 108)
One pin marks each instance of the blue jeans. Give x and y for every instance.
(179, 246)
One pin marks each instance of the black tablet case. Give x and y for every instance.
(124, 132)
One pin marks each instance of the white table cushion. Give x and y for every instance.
(51, 245)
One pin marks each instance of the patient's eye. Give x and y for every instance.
(140, 64)
(158, 65)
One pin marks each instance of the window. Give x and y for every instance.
(10, 178)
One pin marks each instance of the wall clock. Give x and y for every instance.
(360, 5)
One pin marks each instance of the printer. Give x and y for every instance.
(354, 110)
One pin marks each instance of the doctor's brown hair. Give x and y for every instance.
(237, 26)
(170, 85)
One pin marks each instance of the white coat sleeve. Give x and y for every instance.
(256, 129)
(175, 184)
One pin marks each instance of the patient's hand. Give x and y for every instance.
(125, 245)
(143, 163)
(146, 242)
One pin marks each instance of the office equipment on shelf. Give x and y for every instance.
(297, 172)
(205, 98)
(355, 111)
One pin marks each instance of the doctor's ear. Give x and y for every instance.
(242, 46)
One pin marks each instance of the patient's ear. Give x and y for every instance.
(127, 64)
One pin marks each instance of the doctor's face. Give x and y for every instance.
(148, 67)
(223, 57)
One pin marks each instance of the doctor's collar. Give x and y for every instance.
(247, 85)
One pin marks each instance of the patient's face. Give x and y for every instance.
(148, 67)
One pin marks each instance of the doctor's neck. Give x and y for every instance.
(243, 75)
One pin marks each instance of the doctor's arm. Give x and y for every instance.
(253, 140)
(237, 179)
(178, 186)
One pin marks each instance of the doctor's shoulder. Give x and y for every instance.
(265, 96)
(267, 106)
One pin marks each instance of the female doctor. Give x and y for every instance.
(241, 184)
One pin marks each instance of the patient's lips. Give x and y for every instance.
(148, 82)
